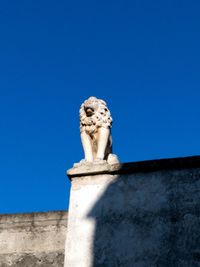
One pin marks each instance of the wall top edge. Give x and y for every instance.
(91, 169)
(33, 216)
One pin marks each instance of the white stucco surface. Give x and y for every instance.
(135, 214)
(85, 193)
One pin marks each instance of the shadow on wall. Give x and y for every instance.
(149, 219)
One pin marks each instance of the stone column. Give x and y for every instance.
(135, 214)
(88, 183)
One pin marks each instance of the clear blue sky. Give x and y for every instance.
(142, 57)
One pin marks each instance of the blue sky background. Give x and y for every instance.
(142, 57)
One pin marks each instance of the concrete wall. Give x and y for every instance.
(144, 214)
(33, 239)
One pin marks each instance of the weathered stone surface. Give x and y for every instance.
(33, 239)
(95, 125)
(142, 214)
(54, 259)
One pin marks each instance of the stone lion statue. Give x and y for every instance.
(95, 128)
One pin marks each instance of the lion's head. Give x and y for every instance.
(94, 114)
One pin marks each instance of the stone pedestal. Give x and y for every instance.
(135, 214)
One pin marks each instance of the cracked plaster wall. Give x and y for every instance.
(33, 239)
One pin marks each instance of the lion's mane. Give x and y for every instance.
(101, 117)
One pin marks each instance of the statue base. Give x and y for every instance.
(134, 214)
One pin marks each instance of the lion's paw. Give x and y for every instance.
(112, 159)
(78, 164)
